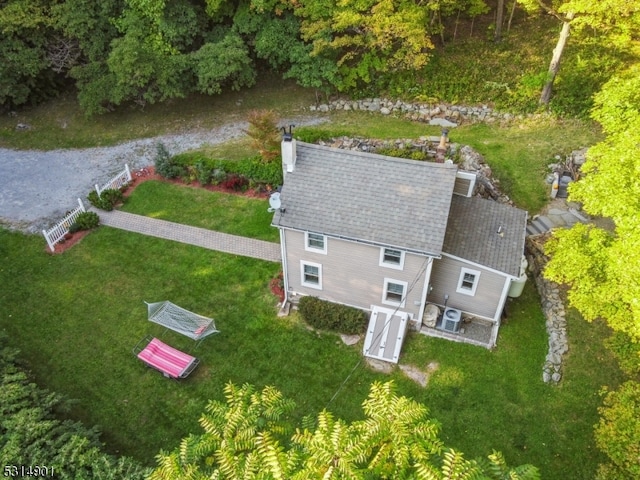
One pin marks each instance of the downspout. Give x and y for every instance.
(425, 292)
(285, 275)
(502, 302)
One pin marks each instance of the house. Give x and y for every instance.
(402, 239)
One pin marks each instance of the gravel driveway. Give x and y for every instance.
(38, 187)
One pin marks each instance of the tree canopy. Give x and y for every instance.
(249, 437)
(601, 264)
(136, 52)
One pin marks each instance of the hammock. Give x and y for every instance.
(180, 320)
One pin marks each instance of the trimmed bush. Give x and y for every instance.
(332, 316)
(107, 199)
(85, 221)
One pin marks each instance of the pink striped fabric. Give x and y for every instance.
(167, 359)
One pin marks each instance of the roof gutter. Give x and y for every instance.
(365, 242)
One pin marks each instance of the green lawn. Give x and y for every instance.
(234, 214)
(76, 317)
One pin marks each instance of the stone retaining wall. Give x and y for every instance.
(553, 309)
(434, 113)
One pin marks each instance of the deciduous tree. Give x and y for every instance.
(247, 438)
(617, 20)
(601, 265)
(618, 433)
(366, 38)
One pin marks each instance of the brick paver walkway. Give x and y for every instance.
(201, 237)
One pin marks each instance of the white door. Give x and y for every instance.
(385, 334)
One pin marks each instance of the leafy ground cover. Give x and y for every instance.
(77, 316)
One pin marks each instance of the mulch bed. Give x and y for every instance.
(144, 175)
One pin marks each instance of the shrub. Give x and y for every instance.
(107, 199)
(85, 221)
(204, 172)
(409, 153)
(332, 316)
(32, 433)
(218, 176)
(216, 171)
(235, 182)
(263, 131)
(626, 352)
(617, 434)
(166, 165)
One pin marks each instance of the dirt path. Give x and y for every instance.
(38, 187)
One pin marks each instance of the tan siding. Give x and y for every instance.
(351, 273)
(444, 280)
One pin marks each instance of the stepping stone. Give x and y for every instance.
(580, 217)
(557, 220)
(442, 122)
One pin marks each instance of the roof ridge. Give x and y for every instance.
(359, 153)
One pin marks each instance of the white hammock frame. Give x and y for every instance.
(180, 320)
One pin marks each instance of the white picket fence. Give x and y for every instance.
(116, 182)
(60, 229)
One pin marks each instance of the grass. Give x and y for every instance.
(76, 317)
(60, 123)
(518, 153)
(234, 214)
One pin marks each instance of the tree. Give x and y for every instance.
(26, 29)
(247, 438)
(617, 20)
(30, 433)
(264, 134)
(618, 433)
(601, 265)
(366, 39)
(497, 34)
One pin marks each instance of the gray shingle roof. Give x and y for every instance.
(472, 233)
(368, 197)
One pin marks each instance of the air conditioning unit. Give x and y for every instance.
(451, 320)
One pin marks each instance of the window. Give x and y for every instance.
(314, 242)
(394, 292)
(468, 281)
(392, 258)
(311, 275)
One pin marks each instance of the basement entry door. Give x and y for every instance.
(385, 334)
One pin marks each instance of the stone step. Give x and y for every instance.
(534, 230)
(545, 222)
(540, 225)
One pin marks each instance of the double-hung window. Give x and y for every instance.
(311, 274)
(394, 292)
(315, 242)
(468, 281)
(392, 258)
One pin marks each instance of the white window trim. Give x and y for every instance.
(466, 291)
(395, 266)
(317, 286)
(405, 285)
(310, 248)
